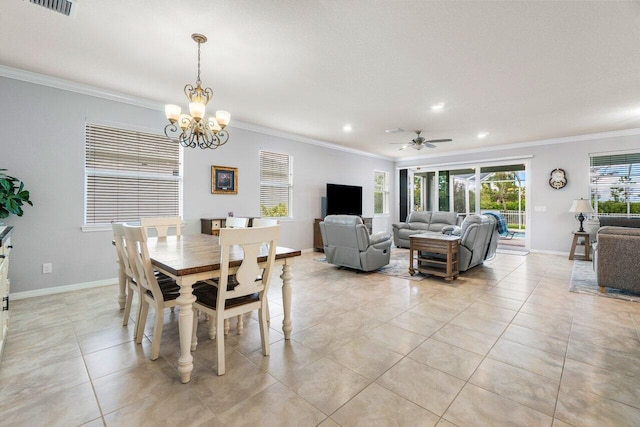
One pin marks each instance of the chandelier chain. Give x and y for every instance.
(198, 79)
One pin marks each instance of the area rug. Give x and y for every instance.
(585, 281)
(397, 267)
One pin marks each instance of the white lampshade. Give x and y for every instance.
(581, 205)
(172, 111)
(197, 110)
(223, 117)
(213, 124)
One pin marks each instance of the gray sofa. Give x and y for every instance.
(616, 254)
(347, 243)
(422, 222)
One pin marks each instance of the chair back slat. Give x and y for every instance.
(136, 245)
(162, 225)
(235, 222)
(121, 250)
(252, 241)
(264, 222)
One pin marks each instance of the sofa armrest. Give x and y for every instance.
(452, 230)
(380, 236)
(400, 225)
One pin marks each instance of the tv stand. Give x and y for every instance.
(317, 236)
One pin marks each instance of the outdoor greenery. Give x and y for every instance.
(12, 195)
(279, 210)
(614, 206)
(499, 191)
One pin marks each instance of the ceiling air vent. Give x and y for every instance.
(66, 7)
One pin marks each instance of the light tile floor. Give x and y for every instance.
(505, 344)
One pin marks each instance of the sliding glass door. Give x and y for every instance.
(481, 188)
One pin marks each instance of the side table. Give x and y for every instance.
(438, 244)
(586, 244)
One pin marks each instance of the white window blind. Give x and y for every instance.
(381, 193)
(129, 175)
(276, 184)
(615, 183)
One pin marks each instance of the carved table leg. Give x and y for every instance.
(286, 297)
(185, 327)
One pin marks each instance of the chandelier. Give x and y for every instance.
(195, 130)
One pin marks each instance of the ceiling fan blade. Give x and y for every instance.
(398, 143)
(439, 140)
(402, 148)
(429, 145)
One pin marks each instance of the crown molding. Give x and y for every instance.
(57, 83)
(537, 143)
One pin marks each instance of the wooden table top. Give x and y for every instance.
(435, 236)
(197, 253)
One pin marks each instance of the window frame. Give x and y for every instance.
(383, 190)
(101, 171)
(611, 160)
(267, 184)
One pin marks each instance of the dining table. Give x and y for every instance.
(192, 258)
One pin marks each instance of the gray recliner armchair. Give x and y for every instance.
(478, 240)
(347, 243)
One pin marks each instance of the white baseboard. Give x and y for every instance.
(542, 251)
(60, 289)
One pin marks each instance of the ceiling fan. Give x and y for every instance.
(419, 142)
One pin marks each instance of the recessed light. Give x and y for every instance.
(438, 107)
(483, 135)
(394, 130)
(347, 128)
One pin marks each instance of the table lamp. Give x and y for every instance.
(581, 205)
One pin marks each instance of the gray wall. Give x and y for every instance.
(43, 144)
(550, 230)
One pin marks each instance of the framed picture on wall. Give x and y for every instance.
(224, 180)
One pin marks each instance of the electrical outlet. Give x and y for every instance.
(47, 268)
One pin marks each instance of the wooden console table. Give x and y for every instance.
(428, 247)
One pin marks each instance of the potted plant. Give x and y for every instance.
(12, 196)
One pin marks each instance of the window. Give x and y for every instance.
(615, 184)
(276, 184)
(129, 175)
(381, 193)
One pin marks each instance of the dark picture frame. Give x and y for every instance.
(224, 180)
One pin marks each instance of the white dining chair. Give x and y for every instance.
(235, 222)
(264, 222)
(222, 301)
(152, 293)
(161, 225)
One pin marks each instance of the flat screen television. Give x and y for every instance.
(344, 200)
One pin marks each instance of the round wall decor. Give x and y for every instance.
(558, 179)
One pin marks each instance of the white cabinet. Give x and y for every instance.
(5, 249)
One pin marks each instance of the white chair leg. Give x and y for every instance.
(226, 326)
(157, 333)
(240, 325)
(264, 331)
(138, 313)
(127, 307)
(212, 327)
(268, 315)
(144, 310)
(220, 344)
(194, 335)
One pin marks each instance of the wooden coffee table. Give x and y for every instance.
(430, 245)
